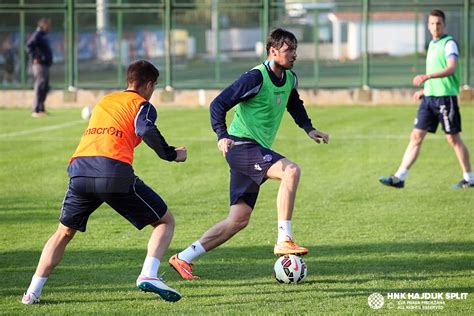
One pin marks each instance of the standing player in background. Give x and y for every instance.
(261, 95)
(101, 171)
(439, 104)
(41, 54)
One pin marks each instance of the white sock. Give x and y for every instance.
(36, 285)
(150, 267)
(284, 231)
(401, 173)
(468, 176)
(192, 252)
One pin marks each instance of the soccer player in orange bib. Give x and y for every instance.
(100, 170)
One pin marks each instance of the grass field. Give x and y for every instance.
(363, 237)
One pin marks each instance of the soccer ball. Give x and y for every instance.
(290, 269)
(86, 113)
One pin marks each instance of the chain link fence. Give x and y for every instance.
(201, 44)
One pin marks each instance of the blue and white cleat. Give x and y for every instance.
(158, 286)
(463, 184)
(392, 181)
(30, 298)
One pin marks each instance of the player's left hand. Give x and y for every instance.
(420, 79)
(317, 136)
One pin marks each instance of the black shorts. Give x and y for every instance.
(130, 197)
(435, 110)
(249, 163)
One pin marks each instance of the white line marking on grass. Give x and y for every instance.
(332, 137)
(42, 139)
(41, 129)
(212, 139)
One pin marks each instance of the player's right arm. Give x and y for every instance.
(244, 88)
(452, 55)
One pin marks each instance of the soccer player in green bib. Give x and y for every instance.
(439, 104)
(261, 96)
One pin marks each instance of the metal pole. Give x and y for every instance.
(71, 60)
(120, 79)
(102, 22)
(365, 53)
(265, 26)
(168, 78)
(216, 40)
(23, 57)
(417, 40)
(316, 46)
(467, 53)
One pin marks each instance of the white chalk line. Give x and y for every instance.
(333, 138)
(40, 129)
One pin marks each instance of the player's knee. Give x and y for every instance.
(416, 139)
(450, 140)
(453, 140)
(240, 224)
(237, 224)
(293, 171)
(64, 232)
(167, 219)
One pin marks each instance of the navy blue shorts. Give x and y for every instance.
(130, 197)
(435, 110)
(249, 164)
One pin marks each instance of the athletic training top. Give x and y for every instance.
(259, 119)
(39, 48)
(436, 60)
(118, 124)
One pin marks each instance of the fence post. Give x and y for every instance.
(23, 57)
(119, 41)
(467, 48)
(316, 46)
(168, 78)
(265, 26)
(365, 54)
(71, 56)
(216, 40)
(417, 39)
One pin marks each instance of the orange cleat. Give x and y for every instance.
(184, 269)
(289, 247)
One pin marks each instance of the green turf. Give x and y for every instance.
(363, 237)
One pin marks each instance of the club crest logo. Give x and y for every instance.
(375, 300)
(267, 158)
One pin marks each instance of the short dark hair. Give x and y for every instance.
(278, 37)
(140, 72)
(439, 13)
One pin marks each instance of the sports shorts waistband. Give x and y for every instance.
(237, 143)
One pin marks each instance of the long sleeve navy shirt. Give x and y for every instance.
(39, 48)
(246, 87)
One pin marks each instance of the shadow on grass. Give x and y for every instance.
(344, 265)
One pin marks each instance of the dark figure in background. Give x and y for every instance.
(9, 57)
(39, 49)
